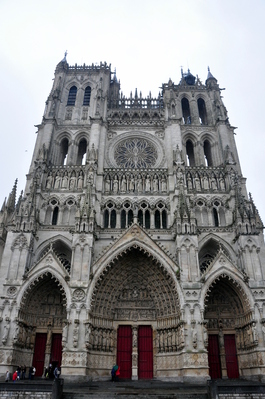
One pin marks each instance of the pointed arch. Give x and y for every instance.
(38, 276)
(134, 238)
(134, 274)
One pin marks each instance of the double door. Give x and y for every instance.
(144, 352)
(230, 356)
(40, 350)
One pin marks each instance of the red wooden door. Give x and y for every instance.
(39, 353)
(145, 352)
(124, 351)
(214, 357)
(231, 356)
(56, 352)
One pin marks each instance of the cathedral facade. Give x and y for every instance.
(135, 241)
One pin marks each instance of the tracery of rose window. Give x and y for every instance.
(135, 153)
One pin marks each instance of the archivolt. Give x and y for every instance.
(39, 280)
(135, 268)
(226, 280)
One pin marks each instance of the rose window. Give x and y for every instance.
(135, 153)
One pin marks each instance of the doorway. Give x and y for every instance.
(214, 357)
(39, 353)
(124, 351)
(145, 352)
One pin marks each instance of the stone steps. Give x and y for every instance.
(132, 391)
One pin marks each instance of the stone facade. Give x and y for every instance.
(135, 212)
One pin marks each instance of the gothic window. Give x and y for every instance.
(113, 219)
(190, 153)
(106, 218)
(140, 218)
(63, 253)
(144, 216)
(164, 219)
(81, 155)
(63, 151)
(110, 216)
(202, 111)
(160, 216)
(87, 96)
(208, 252)
(157, 219)
(186, 111)
(72, 95)
(215, 217)
(55, 216)
(130, 217)
(135, 153)
(126, 215)
(123, 219)
(207, 153)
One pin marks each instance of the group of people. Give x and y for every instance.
(20, 374)
(51, 372)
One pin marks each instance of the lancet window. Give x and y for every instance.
(87, 96)
(72, 96)
(186, 111)
(202, 111)
(63, 151)
(55, 216)
(110, 216)
(81, 155)
(144, 216)
(126, 215)
(190, 153)
(207, 153)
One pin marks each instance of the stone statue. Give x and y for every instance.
(80, 180)
(147, 184)
(155, 184)
(115, 185)
(49, 181)
(164, 185)
(123, 184)
(107, 185)
(65, 181)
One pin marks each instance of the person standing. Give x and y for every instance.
(7, 376)
(15, 376)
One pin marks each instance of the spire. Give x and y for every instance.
(115, 77)
(4, 205)
(11, 202)
(210, 76)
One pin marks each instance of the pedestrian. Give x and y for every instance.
(18, 372)
(7, 376)
(15, 376)
(117, 375)
(30, 372)
(114, 370)
(23, 370)
(33, 372)
(56, 373)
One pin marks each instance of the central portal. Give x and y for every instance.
(141, 349)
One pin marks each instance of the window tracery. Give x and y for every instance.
(135, 153)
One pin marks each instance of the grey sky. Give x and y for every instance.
(146, 41)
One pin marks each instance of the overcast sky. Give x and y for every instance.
(147, 41)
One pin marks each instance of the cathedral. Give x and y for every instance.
(135, 241)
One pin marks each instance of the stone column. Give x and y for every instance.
(134, 352)
(222, 354)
